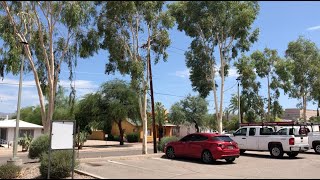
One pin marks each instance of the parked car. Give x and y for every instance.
(206, 146)
(263, 138)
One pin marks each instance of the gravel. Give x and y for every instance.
(32, 172)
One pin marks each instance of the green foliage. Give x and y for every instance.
(192, 108)
(25, 142)
(177, 115)
(40, 25)
(299, 72)
(133, 137)
(118, 102)
(232, 124)
(61, 164)
(81, 138)
(160, 113)
(9, 171)
(221, 25)
(166, 140)
(38, 146)
(87, 111)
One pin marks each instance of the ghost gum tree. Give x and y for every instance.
(298, 72)
(54, 31)
(264, 63)
(218, 25)
(122, 27)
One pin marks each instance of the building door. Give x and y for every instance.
(3, 133)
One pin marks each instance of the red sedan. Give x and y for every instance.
(207, 146)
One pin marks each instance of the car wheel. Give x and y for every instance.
(292, 154)
(206, 157)
(316, 148)
(276, 151)
(242, 151)
(170, 153)
(230, 160)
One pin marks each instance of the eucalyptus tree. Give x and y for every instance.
(264, 63)
(251, 103)
(122, 26)
(297, 72)
(48, 33)
(224, 26)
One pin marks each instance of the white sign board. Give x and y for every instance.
(62, 135)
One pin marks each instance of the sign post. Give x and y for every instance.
(62, 137)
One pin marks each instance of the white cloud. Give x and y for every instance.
(183, 74)
(9, 92)
(313, 28)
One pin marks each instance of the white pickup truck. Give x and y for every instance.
(313, 137)
(263, 138)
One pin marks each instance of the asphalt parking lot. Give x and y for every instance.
(251, 165)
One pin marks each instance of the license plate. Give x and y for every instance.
(230, 147)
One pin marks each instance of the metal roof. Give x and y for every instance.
(11, 123)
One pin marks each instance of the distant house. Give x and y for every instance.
(7, 130)
(188, 128)
(130, 126)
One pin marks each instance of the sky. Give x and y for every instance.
(279, 23)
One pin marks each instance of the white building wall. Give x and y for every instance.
(187, 129)
(10, 135)
(37, 133)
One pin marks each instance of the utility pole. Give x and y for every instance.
(16, 160)
(152, 101)
(239, 115)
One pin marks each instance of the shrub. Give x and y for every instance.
(166, 140)
(25, 142)
(133, 137)
(82, 137)
(9, 171)
(110, 137)
(38, 146)
(61, 164)
(116, 138)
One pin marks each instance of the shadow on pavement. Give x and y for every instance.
(265, 156)
(108, 146)
(198, 161)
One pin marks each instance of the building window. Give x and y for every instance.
(149, 132)
(29, 132)
(135, 130)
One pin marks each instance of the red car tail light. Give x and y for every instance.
(291, 141)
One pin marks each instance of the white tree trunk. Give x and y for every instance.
(221, 92)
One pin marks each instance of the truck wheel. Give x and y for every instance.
(276, 151)
(242, 151)
(292, 154)
(316, 148)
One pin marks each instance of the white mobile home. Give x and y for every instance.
(7, 130)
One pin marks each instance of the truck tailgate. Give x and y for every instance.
(300, 139)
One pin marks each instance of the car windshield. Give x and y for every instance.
(222, 138)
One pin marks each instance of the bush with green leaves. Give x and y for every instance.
(81, 138)
(133, 137)
(9, 171)
(25, 142)
(166, 140)
(38, 146)
(61, 164)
